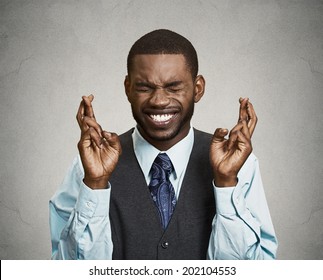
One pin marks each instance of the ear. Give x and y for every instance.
(199, 87)
(126, 84)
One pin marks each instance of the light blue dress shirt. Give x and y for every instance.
(241, 229)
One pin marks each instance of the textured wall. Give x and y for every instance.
(52, 52)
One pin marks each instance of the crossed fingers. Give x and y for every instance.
(90, 129)
(85, 109)
(241, 133)
(248, 114)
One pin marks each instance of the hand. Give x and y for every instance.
(227, 156)
(99, 150)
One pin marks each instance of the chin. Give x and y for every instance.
(164, 137)
(161, 135)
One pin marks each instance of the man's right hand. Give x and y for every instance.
(99, 149)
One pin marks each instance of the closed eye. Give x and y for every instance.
(143, 87)
(173, 90)
(174, 87)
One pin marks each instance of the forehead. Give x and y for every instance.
(159, 67)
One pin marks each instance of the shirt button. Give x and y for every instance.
(165, 245)
(88, 204)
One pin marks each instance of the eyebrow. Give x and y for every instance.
(144, 84)
(173, 84)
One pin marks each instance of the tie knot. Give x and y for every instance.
(162, 163)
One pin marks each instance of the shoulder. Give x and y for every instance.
(126, 137)
(202, 142)
(202, 136)
(201, 146)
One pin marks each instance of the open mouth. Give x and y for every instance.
(162, 119)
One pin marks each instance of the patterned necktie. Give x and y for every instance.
(161, 189)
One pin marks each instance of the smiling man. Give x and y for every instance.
(163, 190)
(162, 94)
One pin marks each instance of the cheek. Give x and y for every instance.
(187, 100)
(137, 103)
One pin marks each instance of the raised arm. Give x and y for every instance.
(242, 227)
(79, 210)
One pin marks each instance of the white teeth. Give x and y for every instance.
(161, 118)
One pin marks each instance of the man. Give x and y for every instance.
(162, 190)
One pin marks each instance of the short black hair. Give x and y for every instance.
(163, 41)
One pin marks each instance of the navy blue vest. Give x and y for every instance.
(136, 229)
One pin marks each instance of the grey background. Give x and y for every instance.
(53, 52)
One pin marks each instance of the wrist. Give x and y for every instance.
(225, 181)
(96, 184)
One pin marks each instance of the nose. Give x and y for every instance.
(159, 98)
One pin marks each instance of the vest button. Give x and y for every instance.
(165, 245)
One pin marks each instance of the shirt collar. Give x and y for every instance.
(179, 154)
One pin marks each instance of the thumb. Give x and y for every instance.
(219, 135)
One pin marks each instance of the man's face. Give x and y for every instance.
(162, 94)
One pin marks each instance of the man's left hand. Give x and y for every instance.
(227, 155)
